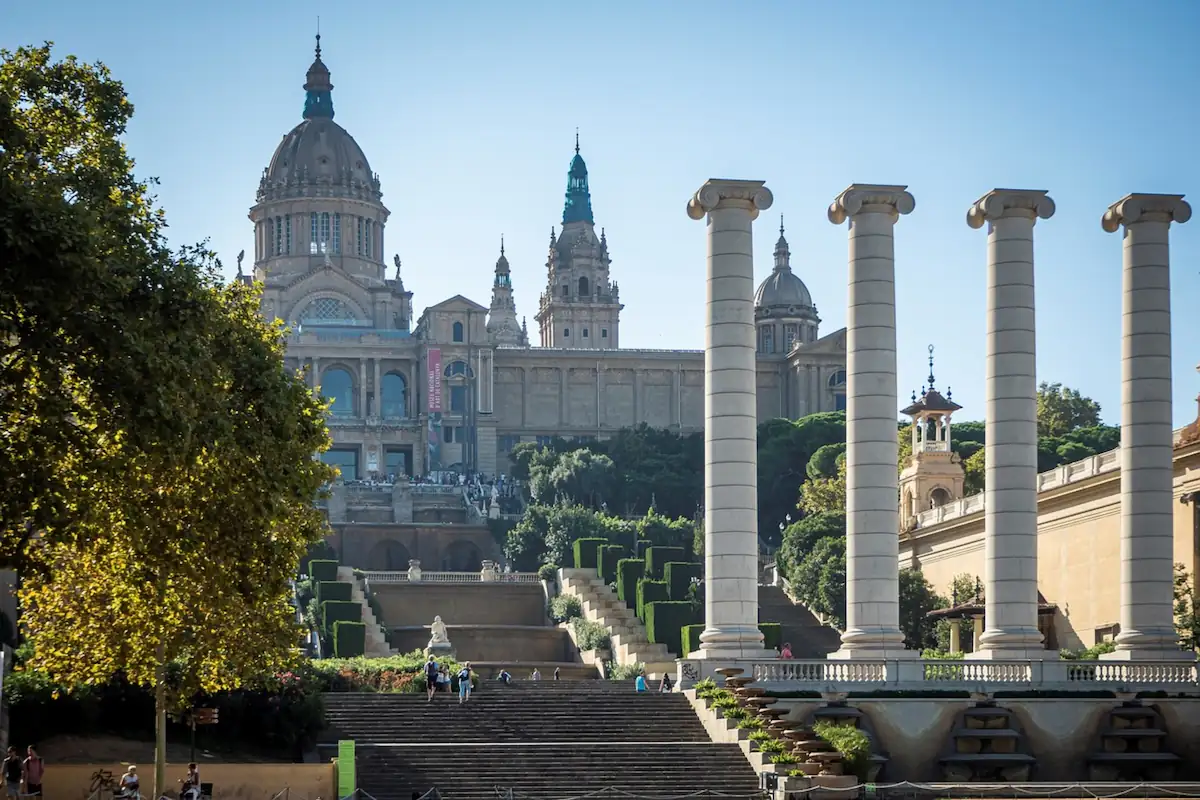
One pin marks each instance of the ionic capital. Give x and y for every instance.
(753, 196)
(997, 204)
(859, 198)
(1146, 207)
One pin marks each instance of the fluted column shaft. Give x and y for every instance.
(730, 421)
(872, 518)
(1147, 465)
(1010, 502)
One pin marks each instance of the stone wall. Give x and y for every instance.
(407, 604)
(511, 643)
(1060, 733)
(388, 547)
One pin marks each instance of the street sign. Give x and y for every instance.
(206, 716)
(345, 768)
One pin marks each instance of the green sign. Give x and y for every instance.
(345, 768)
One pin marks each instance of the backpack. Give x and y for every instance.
(431, 671)
(464, 674)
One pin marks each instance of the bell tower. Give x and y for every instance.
(934, 474)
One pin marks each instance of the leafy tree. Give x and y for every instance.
(581, 475)
(661, 530)
(825, 494)
(917, 599)
(800, 538)
(1061, 410)
(785, 448)
(824, 462)
(819, 581)
(1187, 609)
(974, 470)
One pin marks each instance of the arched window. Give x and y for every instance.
(324, 248)
(766, 339)
(458, 369)
(394, 391)
(337, 234)
(327, 311)
(838, 378)
(458, 332)
(584, 289)
(938, 497)
(338, 387)
(314, 235)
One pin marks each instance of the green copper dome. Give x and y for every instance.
(578, 207)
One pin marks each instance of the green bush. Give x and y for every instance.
(590, 635)
(607, 558)
(349, 639)
(689, 639)
(657, 558)
(772, 635)
(320, 569)
(548, 572)
(665, 620)
(678, 575)
(334, 590)
(585, 552)
(629, 570)
(334, 611)
(565, 607)
(852, 743)
(649, 591)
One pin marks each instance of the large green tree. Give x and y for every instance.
(1061, 409)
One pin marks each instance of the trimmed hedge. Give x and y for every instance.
(335, 611)
(333, 590)
(689, 638)
(678, 575)
(320, 569)
(772, 634)
(585, 552)
(349, 639)
(640, 547)
(665, 621)
(649, 591)
(657, 558)
(629, 570)
(607, 558)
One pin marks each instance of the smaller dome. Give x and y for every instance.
(783, 289)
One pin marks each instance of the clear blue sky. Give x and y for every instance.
(468, 110)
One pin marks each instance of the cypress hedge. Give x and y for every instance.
(349, 639)
(629, 571)
(585, 552)
(650, 591)
(607, 558)
(665, 621)
(772, 634)
(689, 638)
(335, 611)
(657, 558)
(322, 569)
(333, 590)
(678, 575)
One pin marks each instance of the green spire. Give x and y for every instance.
(578, 207)
(318, 89)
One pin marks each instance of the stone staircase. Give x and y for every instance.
(541, 740)
(376, 644)
(798, 626)
(628, 634)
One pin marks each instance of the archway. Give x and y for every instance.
(338, 386)
(462, 556)
(394, 391)
(388, 556)
(938, 497)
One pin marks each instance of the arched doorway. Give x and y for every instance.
(938, 497)
(388, 556)
(462, 556)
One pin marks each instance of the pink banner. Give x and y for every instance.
(433, 381)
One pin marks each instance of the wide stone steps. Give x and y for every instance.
(550, 772)
(629, 643)
(798, 626)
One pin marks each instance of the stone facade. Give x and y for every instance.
(460, 385)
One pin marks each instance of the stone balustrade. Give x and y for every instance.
(450, 577)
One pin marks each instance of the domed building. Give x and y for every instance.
(458, 385)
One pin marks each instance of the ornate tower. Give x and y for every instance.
(502, 325)
(580, 308)
(784, 314)
(933, 476)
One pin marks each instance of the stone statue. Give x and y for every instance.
(438, 634)
(414, 570)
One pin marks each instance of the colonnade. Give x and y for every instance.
(872, 518)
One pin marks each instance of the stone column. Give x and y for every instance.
(1147, 482)
(730, 421)
(872, 445)
(362, 387)
(378, 389)
(1010, 500)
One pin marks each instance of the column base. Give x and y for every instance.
(726, 642)
(874, 654)
(1012, 644)
(873, 645)
(727, 654)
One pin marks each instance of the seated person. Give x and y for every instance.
(504, 676)
(189, 786)
(129, 782)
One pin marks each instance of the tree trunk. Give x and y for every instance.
(160, 723)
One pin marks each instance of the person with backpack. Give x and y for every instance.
(464, 683)
(431, 679)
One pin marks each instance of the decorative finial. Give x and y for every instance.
(781, 224)
(396, 261)
(502, 244)
(931, 367)
(576, 141)
(914, 395)
(318, 38)
(241, 255)
(949, 394)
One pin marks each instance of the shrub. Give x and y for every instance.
(565, 607)
(629, 570)
(1092, 653)
(705, 687)
(349, 639)
(852, 743)
(665, 621)
(758, 735)
(679, 575)
(772, 634)
(402, 673)
(932, 654)
(772, 746)
(737, 714)
(590, 635)
(657, 558)
(623, 672)
(689, 639)
(783, 758)
(321, 569)
(548, 572)
(334, 590)
(334, 611)
(585, 552)
(607, 558)
(752, 724)
(649, 591)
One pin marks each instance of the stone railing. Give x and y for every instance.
(943, 675)
(451, 577)
(437, 488)
(1062, 475)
